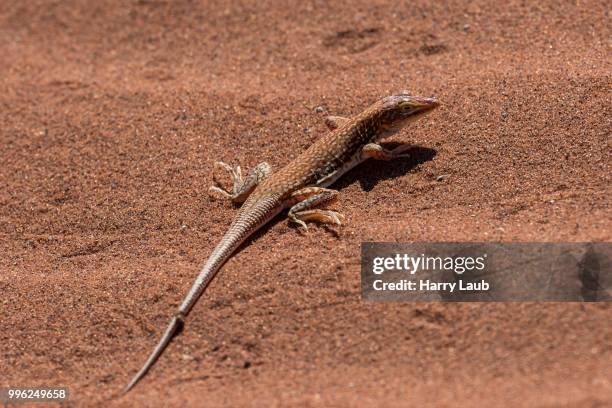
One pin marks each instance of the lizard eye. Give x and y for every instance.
(405, 105)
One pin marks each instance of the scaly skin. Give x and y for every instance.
(300, 186)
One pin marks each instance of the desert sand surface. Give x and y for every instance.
(113, 113)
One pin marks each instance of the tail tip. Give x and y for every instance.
(130, 385)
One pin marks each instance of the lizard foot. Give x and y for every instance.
(321, 216)
(377, 152)
(242, 188)
(236, 176)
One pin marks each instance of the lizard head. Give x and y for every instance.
(398, 110)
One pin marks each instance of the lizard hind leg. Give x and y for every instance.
(242, 188)
(307, 199)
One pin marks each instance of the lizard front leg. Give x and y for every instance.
(377, 152)
(242, 188)
(308, 198)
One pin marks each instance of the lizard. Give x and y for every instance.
(301, 186)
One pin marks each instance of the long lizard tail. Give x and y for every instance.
(251, 217)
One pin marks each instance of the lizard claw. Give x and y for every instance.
(218, 190)
(302, 224)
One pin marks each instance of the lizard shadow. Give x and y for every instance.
(369, 174)
(372, 172)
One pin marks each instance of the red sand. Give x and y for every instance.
(112, 116)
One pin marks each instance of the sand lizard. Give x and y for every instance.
(301, 186)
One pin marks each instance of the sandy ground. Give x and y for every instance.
(112, 114)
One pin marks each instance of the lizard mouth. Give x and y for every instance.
(419, 106)
(423, 104)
